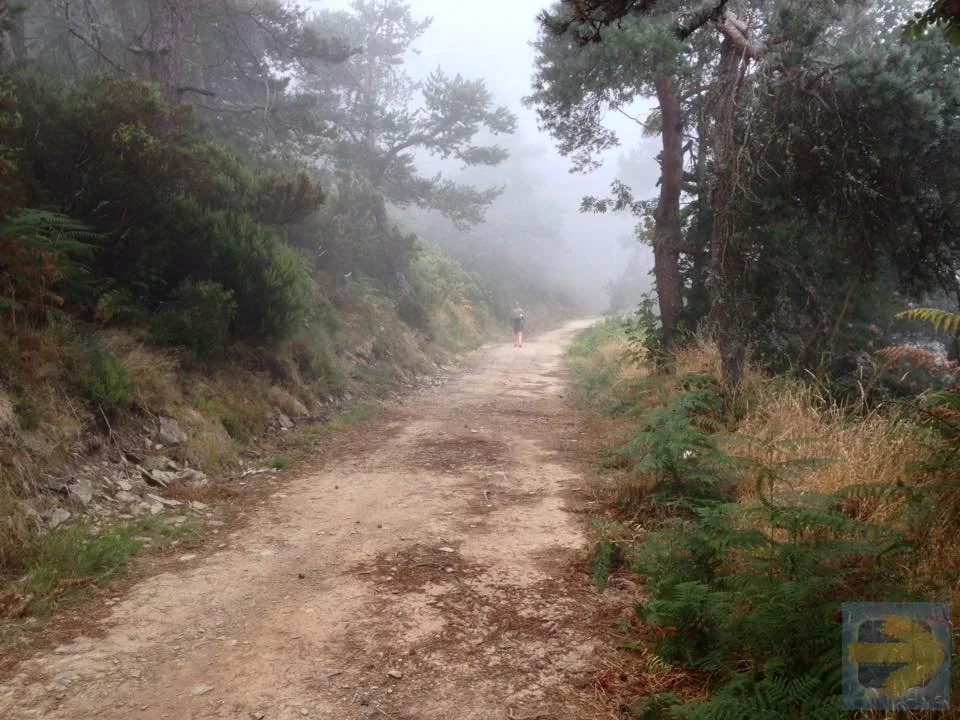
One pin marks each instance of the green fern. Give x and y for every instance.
(51, 231)
(675, 447)
(773, 695)
(750, 594)
(940, 319)
(656, 707)
(40, 263)
(606, 560)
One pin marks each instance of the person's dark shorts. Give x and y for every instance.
(517, 324)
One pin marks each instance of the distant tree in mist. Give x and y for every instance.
(384, 117)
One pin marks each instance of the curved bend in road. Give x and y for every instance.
(422, 572)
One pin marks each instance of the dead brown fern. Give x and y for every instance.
(914, 357)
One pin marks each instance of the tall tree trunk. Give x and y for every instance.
(18, 38)
(380, 217)
(667, 239)
(730, 304)
(168, 27)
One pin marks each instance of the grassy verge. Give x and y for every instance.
(67, 564)
(749, 534)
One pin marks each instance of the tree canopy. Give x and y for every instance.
(815, 163)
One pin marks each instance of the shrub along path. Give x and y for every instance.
(422, 570)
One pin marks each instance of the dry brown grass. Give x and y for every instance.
(8, 416)
(17, 530)
(871, 449)
(285, 401)
(209, 445)
(788, 421)
(619, 351)
(699, 358)
(155, 372)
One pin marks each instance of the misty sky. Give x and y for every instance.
(491, 40)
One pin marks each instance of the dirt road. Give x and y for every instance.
(422, 571)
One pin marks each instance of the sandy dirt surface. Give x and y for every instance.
(423, 570)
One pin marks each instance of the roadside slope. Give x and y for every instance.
(421, 572)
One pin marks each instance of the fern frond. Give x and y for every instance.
(53, 231)
(605, 562)
(914, 357)
(940, 319)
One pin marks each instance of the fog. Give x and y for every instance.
(492, 41)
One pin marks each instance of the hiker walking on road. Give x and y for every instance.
(517, 325)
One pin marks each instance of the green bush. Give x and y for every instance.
(414, 311)
(189, 209)
(753, 594)
(673, 446)
(278, 462)
(269, 280)
(66, 563)
(104, 382)
(199, 318)
(656, 707)
(606, 559)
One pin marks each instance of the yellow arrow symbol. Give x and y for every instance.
(918, 648)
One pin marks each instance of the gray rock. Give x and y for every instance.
(170, 432)
(190, 475)
(127, 498)
(81, 490)
(163, 478)
(164, 501)
(395, 674)
(285, 422)
(201, 690)
(57, 517)
(125, 485)
(159, 462)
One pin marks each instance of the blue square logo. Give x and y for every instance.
(896, 656)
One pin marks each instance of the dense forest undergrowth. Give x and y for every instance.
(199, 262)
(749, 524)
